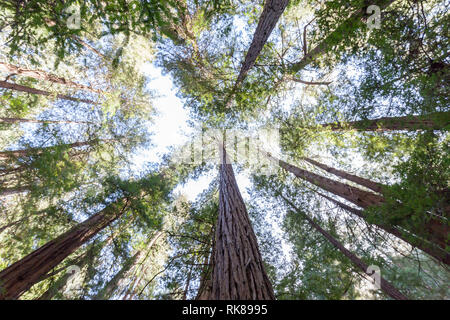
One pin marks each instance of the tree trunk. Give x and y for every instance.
(339, 33)
(408, 237)
(18, 87)
(273, 9)
(19, 120)
(238, 271)
(23, 274)
(108, 290)
(433, 121)
(436, 232)
(377, 187)
(361, 198)
(385, 285)
(45, 76)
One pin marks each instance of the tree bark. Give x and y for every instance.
(18, 87)
(23, 274)
(45, 76)
(238, 272)
(385, 285)
(377, 187)
(340, 32)
(433, 121)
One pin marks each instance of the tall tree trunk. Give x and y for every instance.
(436, 231)
(20, 120)
(408, 237)
(385, 285)
(18, 87)
(45, 76)
(377, 187)
(433, 121)
(238, 271)
(23, 274)
(273, 9)
(339, 33)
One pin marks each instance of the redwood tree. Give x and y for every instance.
(237, 268)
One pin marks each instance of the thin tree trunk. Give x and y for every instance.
(339, 33)
(377, 187)
(408, 237)
(23, 274)
(108, 290)
(385, 285)
(18, 87)
(433, 121)
(238, 270)
(20, 120)
(45, 76)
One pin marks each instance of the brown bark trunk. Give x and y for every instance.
(273, 9)
(238, 271)
(339, 33)
(385, 285)
(18, 87)
(23, 274)
(434, 121)
(361, 198)
(45, 76)
(430, 248)
(377, 187)
(436, 231)
(20, 120)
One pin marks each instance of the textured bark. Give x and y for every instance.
(273, 9)
(385, 285)
(45, 76)
(20, 120)
(23, 274)
(425, 246)
(377, 187)
(238, 272)
(434, 121)
(340, 32)
(18, 87)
